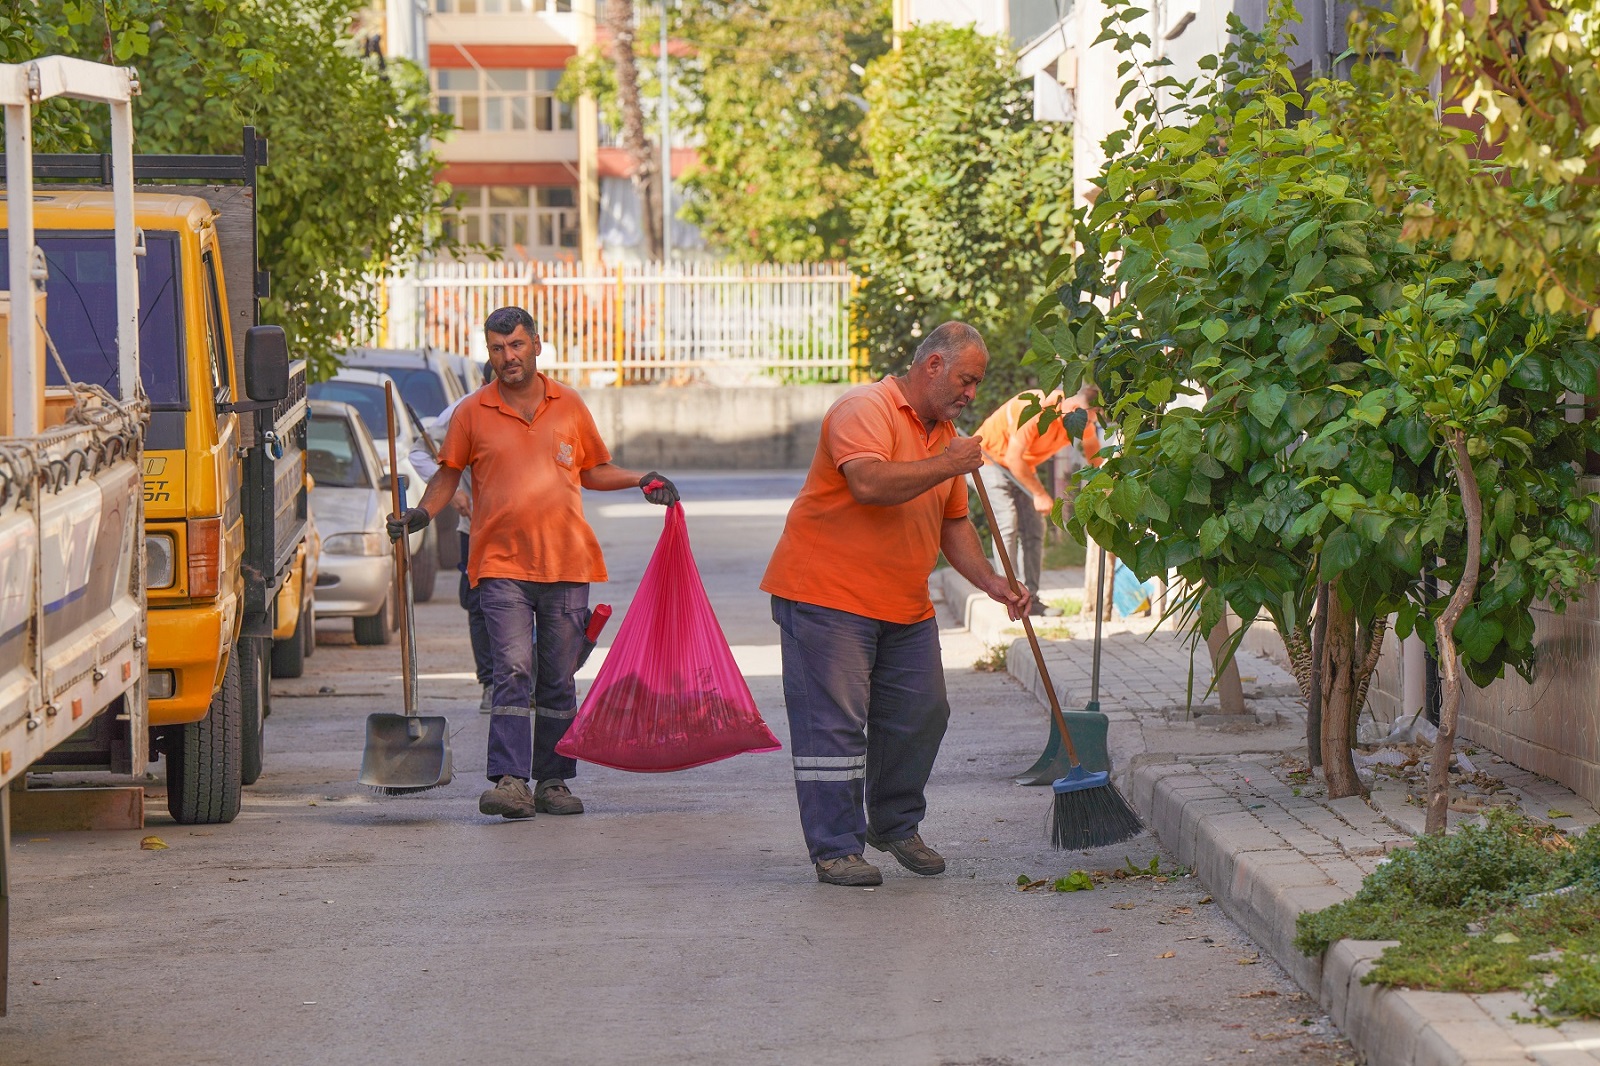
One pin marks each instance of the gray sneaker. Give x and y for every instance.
(851, 870)
(486, 705)
(912, 853)
(554, 797)
(509, 798)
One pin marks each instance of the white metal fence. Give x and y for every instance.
(721, 324)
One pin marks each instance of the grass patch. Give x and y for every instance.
(993, 659)
(1507, 905)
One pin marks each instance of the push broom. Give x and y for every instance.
(1087, 811)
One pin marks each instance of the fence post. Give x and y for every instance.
(616, 325)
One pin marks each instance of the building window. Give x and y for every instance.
(549, 113)
(501, 100)
(538, 221)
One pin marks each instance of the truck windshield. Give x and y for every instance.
(332, 457)
(81, 311)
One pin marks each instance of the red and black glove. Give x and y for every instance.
(658, 489)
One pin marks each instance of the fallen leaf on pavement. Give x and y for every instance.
(1553, 813)
(1167, 955)
(1258, 994)
(1107, 929)
(1249, 960)
(1272, 1036)
(1235, 1025)
(1205, 899)
(1183, 910)
(1122, 906)
(153, 844)
(1029, 886)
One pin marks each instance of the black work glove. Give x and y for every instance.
(413, 519)
(658, 489)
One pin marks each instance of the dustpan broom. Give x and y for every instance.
(1086, 812)
(407, 752)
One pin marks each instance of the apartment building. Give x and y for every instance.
(537, 179)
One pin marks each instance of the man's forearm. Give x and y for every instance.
(961, 546)
(608, 477)
(440, 491)
(1026, 477)
(882, 483)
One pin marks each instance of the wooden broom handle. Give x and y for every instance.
(1027, 623)
(402, 556)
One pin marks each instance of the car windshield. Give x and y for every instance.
(81, 311)
(368, 402)
(420, 388)
(333, 458)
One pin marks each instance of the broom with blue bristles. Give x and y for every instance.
(1087, 812)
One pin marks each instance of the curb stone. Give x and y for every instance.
(1266, 855)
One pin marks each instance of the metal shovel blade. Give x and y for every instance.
(406, 753)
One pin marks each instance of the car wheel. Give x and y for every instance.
(376, 628)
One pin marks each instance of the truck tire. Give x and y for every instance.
(424, 571)
(255, 688)
(203, 780)
(375, 628)
(289, 656)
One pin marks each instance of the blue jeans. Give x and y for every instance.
(535, 637)
(867, 712)
(477, 628)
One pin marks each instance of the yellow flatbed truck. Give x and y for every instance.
(224, 462)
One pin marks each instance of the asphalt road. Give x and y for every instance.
(678, 921)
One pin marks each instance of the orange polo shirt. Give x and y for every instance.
(872, 561)
(527, 504)
(1000, 428)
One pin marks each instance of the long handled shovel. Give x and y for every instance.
(407, 752)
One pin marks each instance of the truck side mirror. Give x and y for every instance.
(266, 364)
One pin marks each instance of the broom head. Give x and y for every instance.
(1089, 813)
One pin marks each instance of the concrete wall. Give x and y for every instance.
(704, 428)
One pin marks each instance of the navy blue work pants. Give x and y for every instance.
(477, 628)
(867, 712)
(535, 638)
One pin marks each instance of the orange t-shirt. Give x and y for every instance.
(872, 561)
(527, 504)
(1000, 428)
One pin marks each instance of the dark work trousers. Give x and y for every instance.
(535, 636)
(867, 711)
(477, 629)
(1018, 526)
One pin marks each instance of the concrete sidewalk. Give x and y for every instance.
(1230, 796)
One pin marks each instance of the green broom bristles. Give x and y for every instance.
(1089, 813)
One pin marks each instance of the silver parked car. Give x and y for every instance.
(349, 496)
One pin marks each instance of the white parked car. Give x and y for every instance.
(364, 391)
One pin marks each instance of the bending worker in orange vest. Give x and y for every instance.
(1011, 458)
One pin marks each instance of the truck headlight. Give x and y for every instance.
(160, 561)
(356, 544)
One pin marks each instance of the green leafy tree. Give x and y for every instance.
(778, 121)
(963, 213)
(350, 186)
(1352, 396)
(1522, 76)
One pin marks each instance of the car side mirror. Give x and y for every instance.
(266, 364)
(385, 482)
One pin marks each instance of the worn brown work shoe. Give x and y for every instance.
(851, 870)
(509, 798)
(913, 854)
(554, 797)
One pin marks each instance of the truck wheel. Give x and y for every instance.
(256, 689)
(203, 759)
(289, 656)
(375, 628)
(424, 569)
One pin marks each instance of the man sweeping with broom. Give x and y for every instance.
(862, 677)
(530, 444)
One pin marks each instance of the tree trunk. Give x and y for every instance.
(1230, 693)
(1319, 640)
(1444, 629)
(1338, 669)
(646, 171)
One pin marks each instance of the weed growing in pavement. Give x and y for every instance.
(993, 659)
(1508, 904)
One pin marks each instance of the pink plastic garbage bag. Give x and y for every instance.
(669, 695)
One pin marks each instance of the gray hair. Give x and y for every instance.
(949, 339)
(505, 321)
